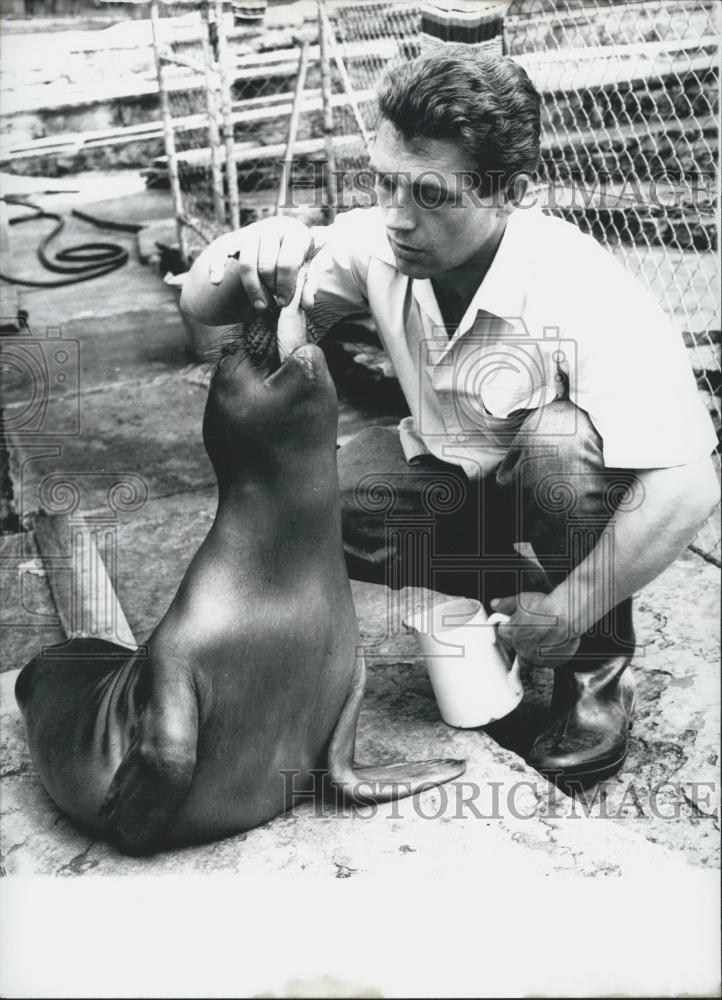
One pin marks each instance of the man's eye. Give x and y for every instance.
(431, 197)
(386, 181)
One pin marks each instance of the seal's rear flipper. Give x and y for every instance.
(386, 782)
(383, 782)
(154, 776)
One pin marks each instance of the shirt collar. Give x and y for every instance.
(379, 246)
(501, 293)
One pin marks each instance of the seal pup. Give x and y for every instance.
(255, 668)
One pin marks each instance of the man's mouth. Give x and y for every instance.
(403, 249)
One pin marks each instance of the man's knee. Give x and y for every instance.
(561, 423)
(555, 437)
(374, 449)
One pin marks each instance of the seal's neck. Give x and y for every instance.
(299, 486)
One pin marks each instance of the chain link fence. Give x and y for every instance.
(630, 151)
(630, 134)
(230, 80)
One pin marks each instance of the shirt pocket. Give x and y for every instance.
(512, 377)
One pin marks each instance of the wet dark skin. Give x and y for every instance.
(254, 669)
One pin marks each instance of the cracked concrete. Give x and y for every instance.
(141, 400)
(499, 813)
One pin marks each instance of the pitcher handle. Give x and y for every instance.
(498, 618)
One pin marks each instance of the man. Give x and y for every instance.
(556, 456)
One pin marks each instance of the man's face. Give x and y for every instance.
(433, 221)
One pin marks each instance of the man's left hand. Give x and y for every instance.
(540, 635)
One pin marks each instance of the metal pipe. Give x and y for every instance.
(329, 177)
(214, 135)
(168, 137)
(227, 111)
(293, 127)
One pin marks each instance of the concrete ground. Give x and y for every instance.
(136, 413)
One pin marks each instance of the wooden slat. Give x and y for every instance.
(252, 66)
(272, 108)
(248, 153)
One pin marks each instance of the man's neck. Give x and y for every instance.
(456, 288)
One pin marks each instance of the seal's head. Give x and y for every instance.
(264, 413)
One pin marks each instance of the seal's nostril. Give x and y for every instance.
(305, 360)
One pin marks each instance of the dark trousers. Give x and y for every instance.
(428, 525)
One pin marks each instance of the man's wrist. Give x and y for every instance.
(558, 603)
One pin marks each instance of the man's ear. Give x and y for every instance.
(516, 191)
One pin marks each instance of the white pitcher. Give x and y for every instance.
(469, 670)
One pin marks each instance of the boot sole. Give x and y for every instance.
(584, 779)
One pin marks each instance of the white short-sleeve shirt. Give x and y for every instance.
(556, 316)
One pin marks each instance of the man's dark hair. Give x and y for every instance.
(486, 103)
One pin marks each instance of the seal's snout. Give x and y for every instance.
(303, 375)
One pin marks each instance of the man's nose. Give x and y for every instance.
(400, 218)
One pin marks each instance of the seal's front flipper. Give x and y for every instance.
(382, 782)
(156, 771)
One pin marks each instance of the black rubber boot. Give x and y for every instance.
(592, 710)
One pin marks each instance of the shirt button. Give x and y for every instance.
(461, 438)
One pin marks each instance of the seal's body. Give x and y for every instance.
(252, 679)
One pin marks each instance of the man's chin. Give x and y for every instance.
(413, 269)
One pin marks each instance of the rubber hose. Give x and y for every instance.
(82, 262)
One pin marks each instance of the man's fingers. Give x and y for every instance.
(239, 251)
(506, 605)
(291, 255)
(216, 267)
(269, 244)
(268, 257)
(217, 254)
(248, 268)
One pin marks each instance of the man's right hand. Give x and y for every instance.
(244, 267)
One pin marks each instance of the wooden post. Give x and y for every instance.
(329, 176)
(293, 127)
(227, 110)
(214, 135)
(168, 137)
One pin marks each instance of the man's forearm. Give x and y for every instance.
(662, 515)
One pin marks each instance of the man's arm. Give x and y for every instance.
(655, 522)
(666, 509)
